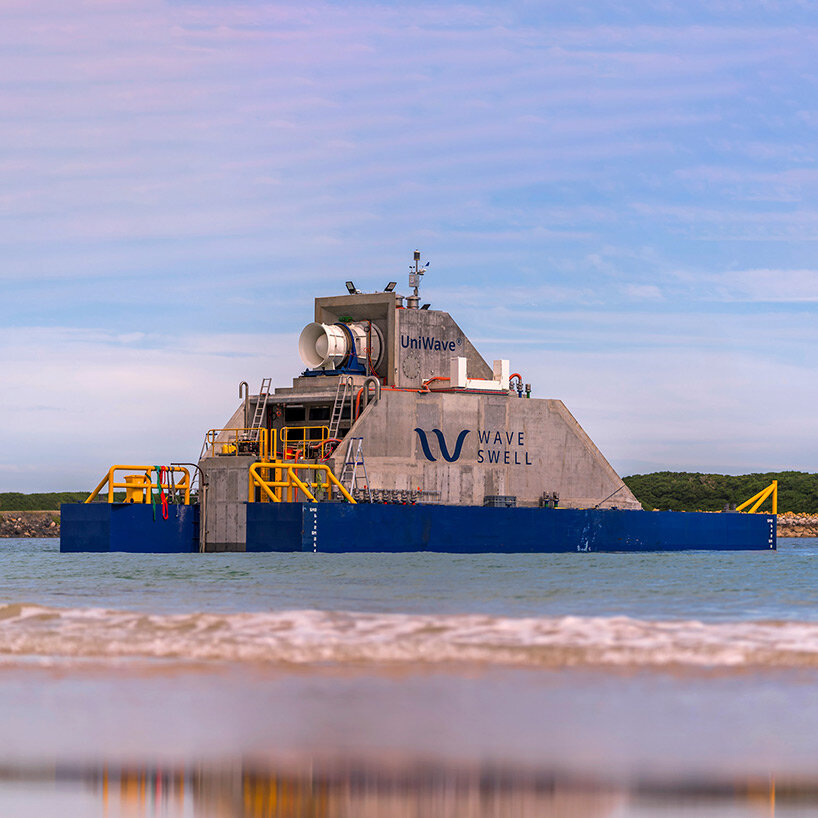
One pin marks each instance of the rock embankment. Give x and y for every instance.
(29, 523)
(797, 525)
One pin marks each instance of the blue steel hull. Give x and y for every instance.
(339, 527)
(128, 527)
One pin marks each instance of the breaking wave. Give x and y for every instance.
(318, 637)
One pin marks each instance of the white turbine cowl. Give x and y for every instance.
(327, 346)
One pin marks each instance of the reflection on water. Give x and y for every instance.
(238, 790)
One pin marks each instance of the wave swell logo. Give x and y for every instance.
(441, 442)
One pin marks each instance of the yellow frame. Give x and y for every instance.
(758, 499)
(274, 490)
(145, 483)
(267, 441)
(302, 443)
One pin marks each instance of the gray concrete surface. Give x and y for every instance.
(510, 446)
(224, 525)
(426, 342)
(475, 444)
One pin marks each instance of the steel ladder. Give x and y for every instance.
(349, 471)
(261, 407)
(344, 391)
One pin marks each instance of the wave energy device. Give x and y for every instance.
(398, 436)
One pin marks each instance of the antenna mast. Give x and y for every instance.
(415, 272)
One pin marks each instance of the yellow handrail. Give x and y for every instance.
(758, 499)
(138, 486)
(274, 489)
(233, 437)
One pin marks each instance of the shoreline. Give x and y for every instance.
(29, 524)
(46, 524)
(792, 524)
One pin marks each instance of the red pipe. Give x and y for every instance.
(326, 456)
(436, 378)
(358, 400)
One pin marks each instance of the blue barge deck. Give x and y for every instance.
(372, 528)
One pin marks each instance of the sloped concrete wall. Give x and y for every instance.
(484, 445)
(426, 341)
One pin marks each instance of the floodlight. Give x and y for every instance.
(426, 306)
(390, 286)
(351, 288)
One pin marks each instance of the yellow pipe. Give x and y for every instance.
(256, 478)
(186, 484)
(772, 489)
(303, 486)
(293, 482)
(145, 484)
(338, 483)
(757, 499)
(331, 478)
(97, 490)
(269, 493)
(765, 494)
(750, 501)
(112, 484)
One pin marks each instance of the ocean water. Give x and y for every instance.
(570, 684)
(737, 609)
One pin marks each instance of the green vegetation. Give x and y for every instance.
(14, 501)
(692, 491)
(664, 490)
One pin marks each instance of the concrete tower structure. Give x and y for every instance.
(402, 388)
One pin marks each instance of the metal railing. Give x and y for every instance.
(140, 483)
(286, 485)
(298, 442)
(241, 441)
(293, 443)
(757, 499)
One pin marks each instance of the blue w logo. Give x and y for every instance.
(441, 442)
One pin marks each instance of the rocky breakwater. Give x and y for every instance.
(791, 524)
(29, 523)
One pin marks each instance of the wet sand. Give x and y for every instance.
(480, 742)
(616, 686)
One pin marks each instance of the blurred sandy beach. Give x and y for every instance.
(470, 687)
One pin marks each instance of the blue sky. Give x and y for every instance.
(619, 197)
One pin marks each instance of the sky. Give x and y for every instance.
(620, 197)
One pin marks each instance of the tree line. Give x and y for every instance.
(663, 490)
(694, 491)
(46, 501)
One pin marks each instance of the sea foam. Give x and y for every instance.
(309, 637)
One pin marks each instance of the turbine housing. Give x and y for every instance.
(339, 346)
